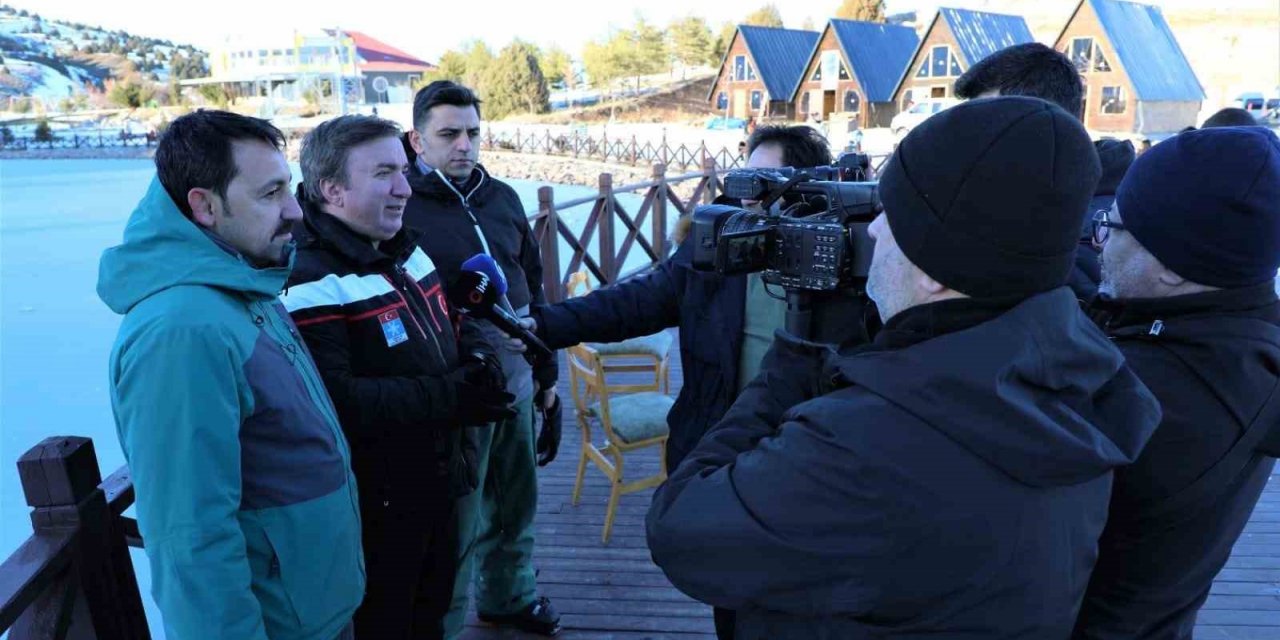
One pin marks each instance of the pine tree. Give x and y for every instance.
(766, 16)
(514, 82)
(691, 42)
(864, 10)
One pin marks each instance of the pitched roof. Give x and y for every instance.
(780, 56)
(981, 34)
(1148, 51)
(372, 51)
(878, 54)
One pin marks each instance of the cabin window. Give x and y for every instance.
(722, 100)
(941, 63)
(851, 101)
(756, 99)
(739, 68)
(1082, 53)
(1113, 100)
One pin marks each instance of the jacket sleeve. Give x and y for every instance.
(371, 407)
(179, 396)
(545, 372)
(632, 308)
(783, 517)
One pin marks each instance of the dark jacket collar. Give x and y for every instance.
(927, 321)
(1117, 313)
(322, 228)
(436, 185)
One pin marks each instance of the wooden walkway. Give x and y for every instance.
(615, 591)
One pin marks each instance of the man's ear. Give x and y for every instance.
(203, 204)
(927, 284)
(333, 192)
(1168, 278)
(415, 140)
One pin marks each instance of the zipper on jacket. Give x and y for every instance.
(466, 206)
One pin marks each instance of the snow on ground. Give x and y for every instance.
(46, 84)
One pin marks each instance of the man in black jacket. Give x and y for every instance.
(1188, 255)
(368, 303)
(726, 323)
(951, 478)
(463, 211)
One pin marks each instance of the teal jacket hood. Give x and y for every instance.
(163, 249)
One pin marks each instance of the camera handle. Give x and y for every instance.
(799, 313)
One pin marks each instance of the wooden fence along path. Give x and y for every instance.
(73, 578)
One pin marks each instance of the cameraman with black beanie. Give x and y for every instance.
(951, 479)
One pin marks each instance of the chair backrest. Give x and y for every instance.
(589, 383)
(586, 377)
(578, 280)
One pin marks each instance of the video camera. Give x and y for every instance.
(815, 240)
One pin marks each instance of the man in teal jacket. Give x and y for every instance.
(245, 497)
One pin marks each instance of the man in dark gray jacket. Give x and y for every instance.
(951, 478)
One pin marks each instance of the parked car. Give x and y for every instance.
(919, 112)
(1266, 109)
(726, 124)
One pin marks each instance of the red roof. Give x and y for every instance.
(376, 55)
(387, 67)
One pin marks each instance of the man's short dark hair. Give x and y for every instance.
(441, 92)
(1029, 69)
(802, 145)
(1230, 117)
(325, 149)
(195, 151)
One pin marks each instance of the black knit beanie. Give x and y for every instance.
(986, 196)
(1206, 203)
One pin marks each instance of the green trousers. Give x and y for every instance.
(495, 523)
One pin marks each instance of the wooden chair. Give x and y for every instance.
(646, 353)
(631, 417)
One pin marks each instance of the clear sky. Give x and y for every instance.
(429, 27)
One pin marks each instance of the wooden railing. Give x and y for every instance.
(73, 577)
(601, 224)
(618, 150)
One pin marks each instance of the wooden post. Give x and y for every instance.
(604, 228)
(517, 149)
(633, 149)
(100, 598)
(575, 143)
(549, 245)
(709, 170)
(659, 210)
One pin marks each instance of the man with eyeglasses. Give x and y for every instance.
(1189, 250)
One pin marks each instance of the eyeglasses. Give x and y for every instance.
(1102, 226)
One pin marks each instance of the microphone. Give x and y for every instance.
(476, 295)
(485, 264)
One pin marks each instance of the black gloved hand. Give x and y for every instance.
(548, 444)
(479, 392)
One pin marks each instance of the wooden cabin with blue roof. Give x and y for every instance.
(759, 71)
(1137, 80)
(955, 40)
(853, 71)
